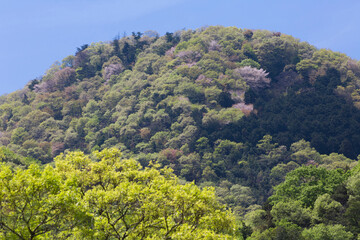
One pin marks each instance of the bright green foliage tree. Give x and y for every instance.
(323, 203)
(36, 204)
(306, 183)
(125, 202)
(109, 198)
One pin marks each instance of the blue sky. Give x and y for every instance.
(34, 34)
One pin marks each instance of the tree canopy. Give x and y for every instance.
(107, 198)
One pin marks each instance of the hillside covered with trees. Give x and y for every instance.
(267, 122)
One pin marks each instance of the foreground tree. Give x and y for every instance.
(35, 204)
(109, 198)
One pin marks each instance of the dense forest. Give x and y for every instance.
(235, 133)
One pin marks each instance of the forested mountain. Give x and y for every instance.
(228, 108)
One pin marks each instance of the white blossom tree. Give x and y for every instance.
(256, 78)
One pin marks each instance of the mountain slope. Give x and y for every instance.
(225, 107)
(135, 89)
(190, 98)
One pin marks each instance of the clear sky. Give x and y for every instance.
(34, 34)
